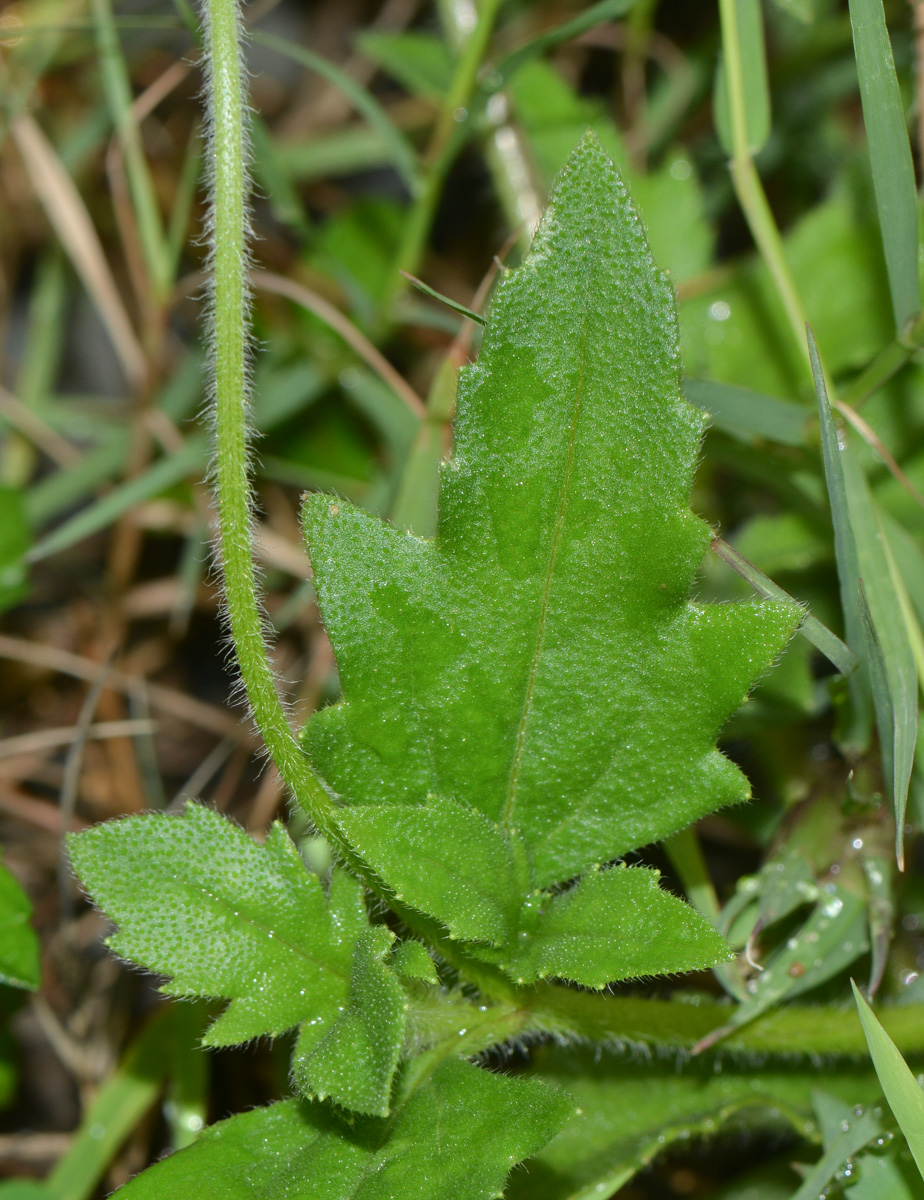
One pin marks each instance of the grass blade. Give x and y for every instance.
(163, 474)
(845, 550)
(68, 215)
(821, 637)
(901, 1089)
(890, 156)
(893, 675)
(118, 91)
(755, 90)
(453, 304)
(747, 415)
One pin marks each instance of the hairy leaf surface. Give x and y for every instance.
(198, 900)
(456, 1135)
(532, 693)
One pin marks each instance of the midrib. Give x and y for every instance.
(546, 589)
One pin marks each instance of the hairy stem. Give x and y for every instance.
(230, 330)
(231, 348)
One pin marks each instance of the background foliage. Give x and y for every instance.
(394, 137)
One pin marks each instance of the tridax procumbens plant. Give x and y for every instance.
(526, 699)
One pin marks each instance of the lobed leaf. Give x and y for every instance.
(458, 1135)
(513, 713)
(198, 900)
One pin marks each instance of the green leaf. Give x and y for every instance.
(515, 679)
(475, 895)
(197, 900)
(19, 947)
(738, 332)
(627, 1116)
(834, 936)
(411, 960)
(356, 1057)
(902, 1090)
(756, 90)
(455, 1136)
(891, 1176)
(890, 156)
(601, 929)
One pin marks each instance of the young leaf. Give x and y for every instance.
(199, 901)
(510, 688)
(355, 1059)
(902, 1090)
(456, 1135)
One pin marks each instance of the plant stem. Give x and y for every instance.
(231, 348)
(230, 320)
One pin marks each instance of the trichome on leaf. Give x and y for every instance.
(533, 694)
(527, 698)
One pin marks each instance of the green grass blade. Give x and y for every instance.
(58, 491)
(403, 156)
(187, 186)
(845, 552)
(747, 415)
(893, 674)
(125, 1097)
(162, 475)
(830, 645)
(687, 859)
(859, 1133)
(901, 1089)
(117, 86)
(453, 304)
(272, 173)
(890, 156)
(755, 92)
